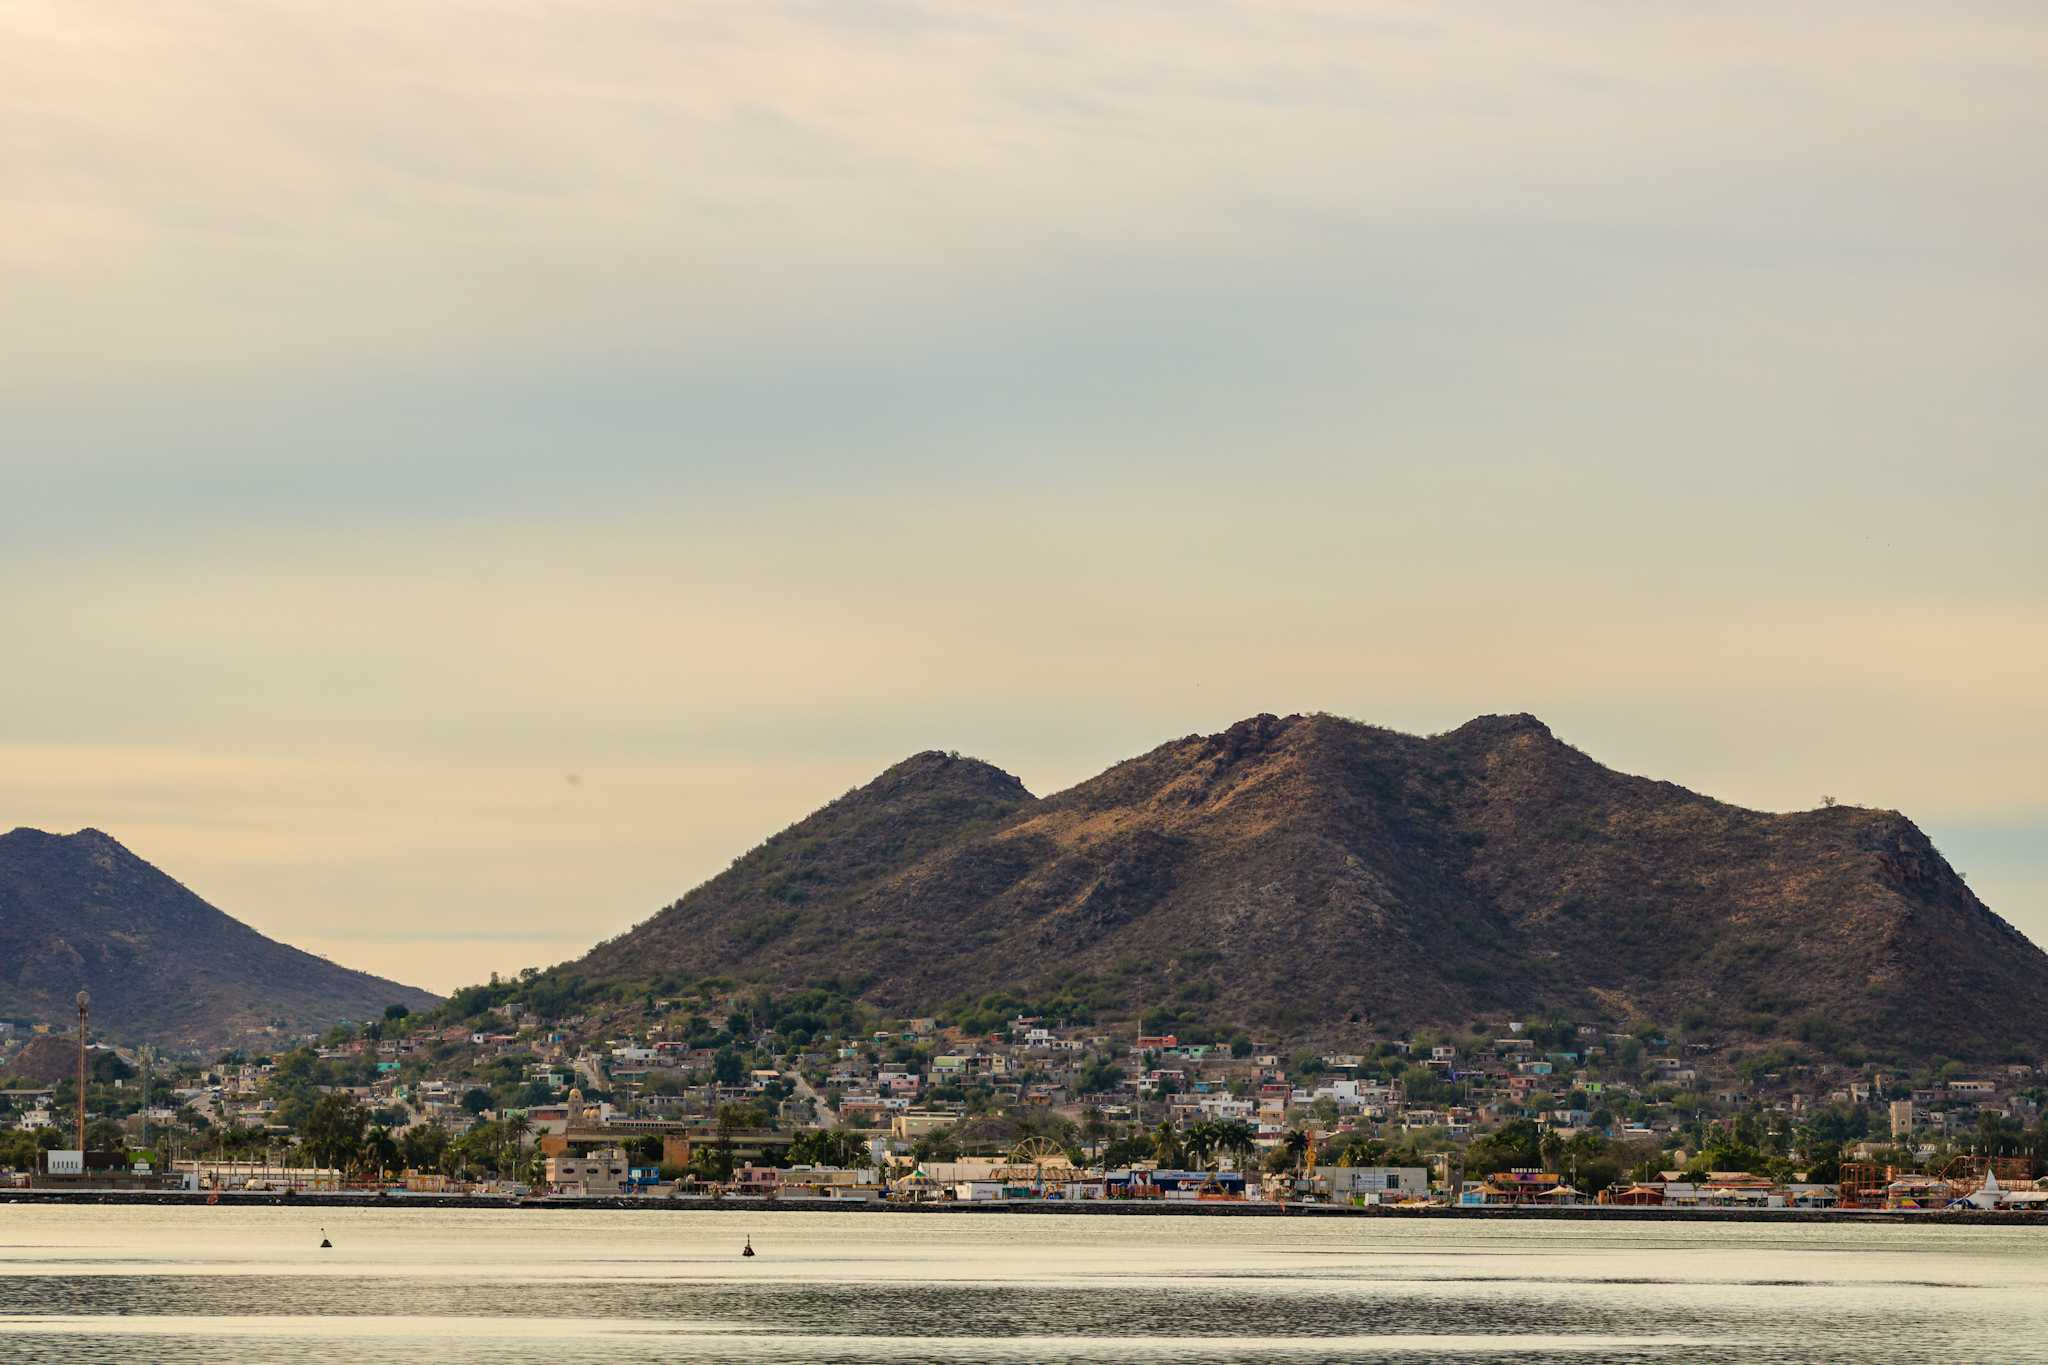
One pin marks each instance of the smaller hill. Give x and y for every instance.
(80, 912)
(44, 1060)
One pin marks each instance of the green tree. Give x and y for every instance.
(104, 1136)
(940, 1144)
(516, 1128)
(1824, 1163)
(829, 1147)
(1236, 1139)
(1093, 1130)
(1516, 1144)
(1098, 1076)
(1295, 1142)
(1200, 1146)
(333, 1131)
(1999, 1136)
(736, 1118)
(21, 1150)
(423, 1146)
(712, 1163)
(380, 1149)
(1124, 1151)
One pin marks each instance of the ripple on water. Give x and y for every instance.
(412, 1285)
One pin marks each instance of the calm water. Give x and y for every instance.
(151, 1284)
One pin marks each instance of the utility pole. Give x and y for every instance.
(84, 1013)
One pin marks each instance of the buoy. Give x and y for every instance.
(748, 1250)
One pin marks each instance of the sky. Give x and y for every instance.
(469, 471)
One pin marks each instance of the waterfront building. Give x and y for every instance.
(1141, 1183)
(1520, 1186)
(1374, 1184)
(1739, 1189)
(603, 1171)
(257, 1175)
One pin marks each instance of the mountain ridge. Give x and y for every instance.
(1293, 875)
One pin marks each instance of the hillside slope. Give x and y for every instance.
(841, 855)
(1299, 874)
(80, 912)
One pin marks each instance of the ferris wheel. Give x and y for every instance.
(1037, 1153)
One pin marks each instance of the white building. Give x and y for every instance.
(600, 1172)
(1375, 1184)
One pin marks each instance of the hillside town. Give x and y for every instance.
(715, 1093)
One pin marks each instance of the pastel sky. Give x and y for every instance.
(469, 470)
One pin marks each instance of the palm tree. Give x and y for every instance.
(1236, 1137)
(1166, 1146)
(512, 1131)
(423, 1146)
(847, 1150)
(380, 1149)
(1093, 1130)
(1201, 1144)
(1295, 1142)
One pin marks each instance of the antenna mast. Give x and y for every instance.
(84, 1013)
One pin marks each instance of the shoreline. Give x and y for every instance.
(1112, 1208)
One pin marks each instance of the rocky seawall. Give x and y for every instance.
(1113, 1208)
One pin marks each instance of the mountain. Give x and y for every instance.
(1297, 876)
(80, 912)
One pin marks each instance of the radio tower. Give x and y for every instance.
(84, 1010)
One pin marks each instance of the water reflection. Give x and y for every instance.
(176, 1285)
